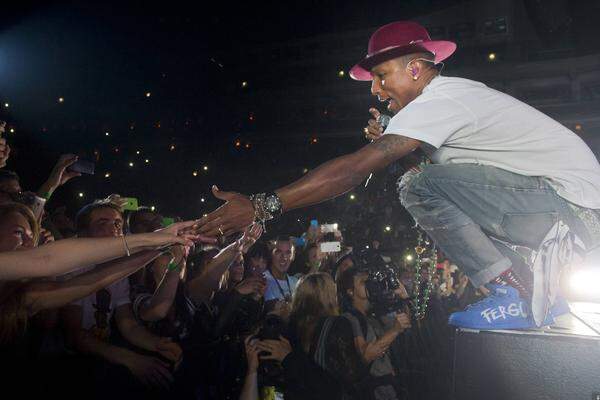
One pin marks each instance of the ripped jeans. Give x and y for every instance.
(475, 213)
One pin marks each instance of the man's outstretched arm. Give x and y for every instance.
(329, 180)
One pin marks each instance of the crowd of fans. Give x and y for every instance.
(128, 304)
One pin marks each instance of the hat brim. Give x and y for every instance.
(442, 49)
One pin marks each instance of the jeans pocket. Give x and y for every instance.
(527, 229)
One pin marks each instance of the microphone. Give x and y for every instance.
(384, 120)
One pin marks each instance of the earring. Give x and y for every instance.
(415, 77)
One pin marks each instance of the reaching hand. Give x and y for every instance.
(233, 216)
(373, 130)
(177, 233)
(250, 236)
(187, 230)
(278, 349)
(59, 175)
(251, 354)
(253, 284)
(150, 371)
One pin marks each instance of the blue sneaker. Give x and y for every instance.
(502, 309)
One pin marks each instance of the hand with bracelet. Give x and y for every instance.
(239, 212)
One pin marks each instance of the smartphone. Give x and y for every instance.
(331, 247)
(131, 203)
(82, 166)
(327, 228)
(167, 221)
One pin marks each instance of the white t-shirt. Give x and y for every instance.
(98, 308)
(279, 289)
(467, 122)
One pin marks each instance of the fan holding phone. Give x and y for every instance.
(62, 172)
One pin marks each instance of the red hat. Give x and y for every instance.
(398, 39)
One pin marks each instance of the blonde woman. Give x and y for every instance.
(323, 361)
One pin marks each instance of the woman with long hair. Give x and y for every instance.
(323, 362)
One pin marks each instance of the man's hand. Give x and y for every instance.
(45, 237)
(234, 216)
(169, 349)
(150, 371)
(373, 130)
(253, 284)
(374, 350)
(278, 349)
(402, 322)
(59, 175)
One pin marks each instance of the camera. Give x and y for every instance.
(381, 284)
(270, 373)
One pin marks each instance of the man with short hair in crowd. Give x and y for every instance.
(9, 185)
(280, 285)
(88, 321)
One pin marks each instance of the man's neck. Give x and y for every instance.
(277, 274)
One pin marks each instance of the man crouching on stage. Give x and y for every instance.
(502, 175)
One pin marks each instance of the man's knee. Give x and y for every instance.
(407, 188)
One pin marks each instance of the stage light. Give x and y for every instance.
(341, 73)
(314, 140)
(585, 283)
(80, 194)
(238, 143)
(388, 228)
(244, 84)
(195, 173)
(107, 175)
(247, 145)
(305, 170)
(6, 105)
(491, 57)
(12, 130)
(352, 197)
(131, 164)
(147, 161)
(367, 247)
(172, 147)
(152, 208)
(205, 215)
(61, 99)
(106, 133)
(148, 94)
(202, 200)
(408, 257)
(137, 152)
(205, 168)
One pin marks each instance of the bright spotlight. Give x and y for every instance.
(584, 283)
(409, 257)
